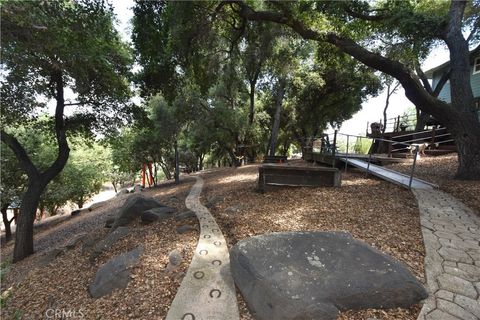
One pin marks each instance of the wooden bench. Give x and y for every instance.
(272, 175)
(275, 159)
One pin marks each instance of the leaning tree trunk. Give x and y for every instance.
(24, 232)
(37, 181)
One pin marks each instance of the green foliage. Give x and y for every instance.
(362, 145)
(4, 267)
(13, 180)
(81, 178)
(74, 39)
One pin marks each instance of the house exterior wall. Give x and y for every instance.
(445, 93)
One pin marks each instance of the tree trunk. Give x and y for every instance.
(6, 222)
(114, 186)
(200, 162)
(276, 119)
(251, 113)
(177, 166)
(24, 233)
(37, 181)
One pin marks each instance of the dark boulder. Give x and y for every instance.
(314, 275)
(184, 215)
(106, 243)
(156, 214)
(109, 221)
(134, 207)
(115, 274)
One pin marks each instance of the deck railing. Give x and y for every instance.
(333, 150)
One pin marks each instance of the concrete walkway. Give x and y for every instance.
(451, 232)
(207, 291)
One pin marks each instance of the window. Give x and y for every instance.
(476, 65)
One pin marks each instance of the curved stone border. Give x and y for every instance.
(207, 290)
(451, 233)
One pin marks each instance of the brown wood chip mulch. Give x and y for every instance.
(63, 284)
(377, 212)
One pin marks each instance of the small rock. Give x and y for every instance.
(75, 212)
(185, 228)
(185, 215)
(137, 188)
(175, 257)
(115, 274)
(122, 192)
(156, 214)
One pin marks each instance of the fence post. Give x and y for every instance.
(346, 156)
(413, 168)
(433, 136)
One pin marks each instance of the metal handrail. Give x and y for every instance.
(420, 132)
(418, 139)
(416, 150)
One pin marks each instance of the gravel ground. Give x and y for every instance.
(377, 212)
(441, 170)
(62, 284)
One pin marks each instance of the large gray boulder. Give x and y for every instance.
(156, 214)
(314, 275)
(106, 243)
(115, 274)
(134, 207)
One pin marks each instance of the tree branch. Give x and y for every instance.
(60, 130)
(25, 162)
(367, 17)
(423, 78)
(441, 83)
(410, 82)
